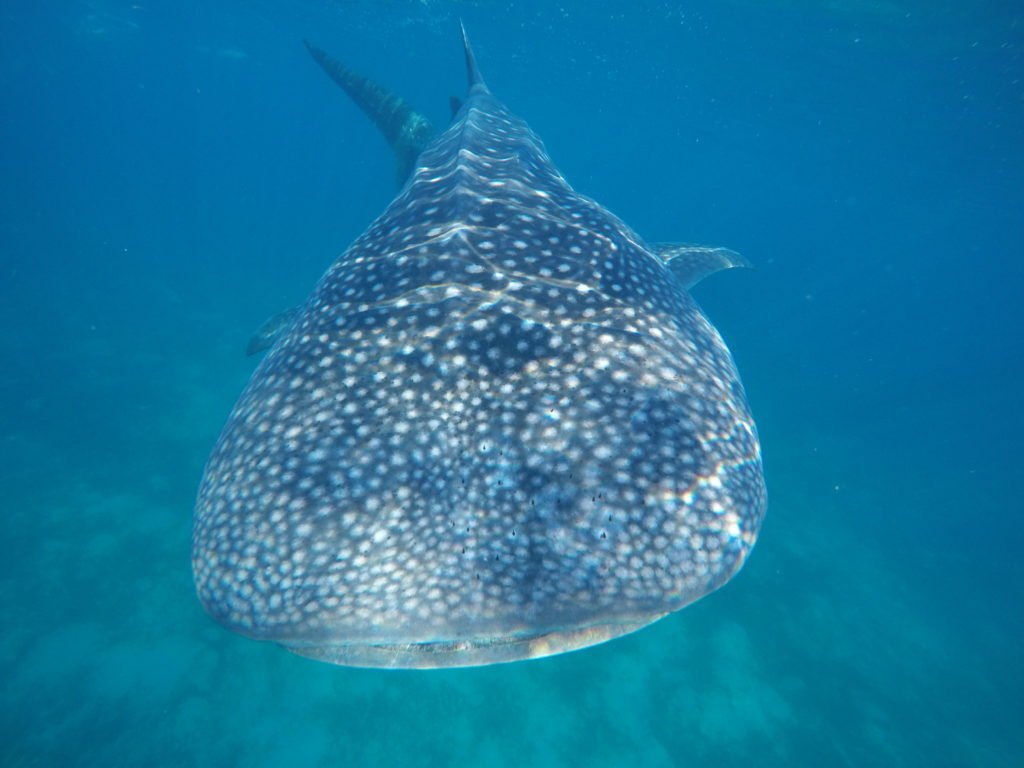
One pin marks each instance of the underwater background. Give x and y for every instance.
(172, 174)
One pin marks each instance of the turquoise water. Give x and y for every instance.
(173, 176)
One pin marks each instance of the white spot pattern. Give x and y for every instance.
(497, 416)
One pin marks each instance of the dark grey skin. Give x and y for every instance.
(408, 132)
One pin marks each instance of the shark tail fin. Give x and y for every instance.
(472, 71)
(406, 131)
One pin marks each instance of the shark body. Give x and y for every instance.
(499, 428)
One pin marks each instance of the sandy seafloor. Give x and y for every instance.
(170, 179)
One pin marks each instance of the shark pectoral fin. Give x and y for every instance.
(692, 263)
(271, 330)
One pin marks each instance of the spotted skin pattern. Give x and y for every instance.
(498, 428)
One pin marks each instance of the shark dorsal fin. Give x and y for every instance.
(472, 71)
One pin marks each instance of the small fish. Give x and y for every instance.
(499, 428)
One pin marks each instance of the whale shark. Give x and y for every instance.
(499, 428)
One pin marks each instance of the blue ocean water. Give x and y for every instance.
(174, 174)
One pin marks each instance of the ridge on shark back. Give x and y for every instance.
(408, 132)
(499, 428)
